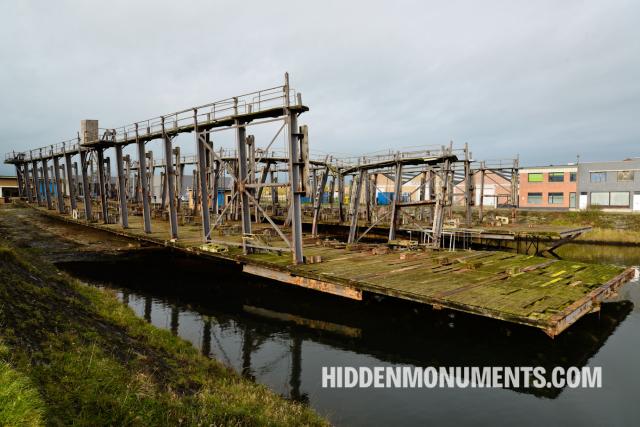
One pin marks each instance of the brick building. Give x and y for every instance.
(548, 187)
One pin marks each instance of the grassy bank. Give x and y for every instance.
(75, 355)
(608, 227)
(20, 402)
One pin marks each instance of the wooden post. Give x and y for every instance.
(355, 204)
(396, 199)
(481, 207)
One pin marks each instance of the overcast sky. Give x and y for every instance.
(547, 80)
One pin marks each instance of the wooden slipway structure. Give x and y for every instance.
(544, 293)
(534, 291)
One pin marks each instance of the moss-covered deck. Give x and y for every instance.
(548, 294)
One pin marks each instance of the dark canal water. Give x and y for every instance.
(283, 336)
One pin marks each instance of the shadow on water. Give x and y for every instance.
(259, 327)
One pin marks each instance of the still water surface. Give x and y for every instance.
(282, 337)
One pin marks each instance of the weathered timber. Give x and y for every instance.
(547, 294)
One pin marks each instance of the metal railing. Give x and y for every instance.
(225, 109)
(221, 110)
(57, 149)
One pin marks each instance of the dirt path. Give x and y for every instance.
(57, 240)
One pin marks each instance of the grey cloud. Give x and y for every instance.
(546, 80)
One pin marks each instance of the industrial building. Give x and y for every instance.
(610, 185)
(548, 187)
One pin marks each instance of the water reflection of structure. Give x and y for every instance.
(268, 325)
(252, 340)
(448, 341)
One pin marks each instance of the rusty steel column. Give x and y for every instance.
(393, 225)
(47, 190)
(142, 176)
(122, 191)
(103, 185)
(170, 183)
(88, 214)
(59, 187)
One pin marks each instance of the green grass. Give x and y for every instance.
(78, 356)
(616, 227)
(612, 235)
(20, 402)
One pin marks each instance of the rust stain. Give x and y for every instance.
(318, 285)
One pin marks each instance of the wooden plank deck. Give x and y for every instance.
(539, 292)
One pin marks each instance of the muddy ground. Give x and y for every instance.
(57, 240)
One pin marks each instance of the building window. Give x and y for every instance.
(556, 198)
(572, 176)
(536, 177)
(600, 198)
(619, 199)
(556, 176)
(625, 176)
(534, 198)
(598, 177)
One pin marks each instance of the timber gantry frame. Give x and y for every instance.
(247, 204)
(416, 191)
(236, 114)
(85, 187)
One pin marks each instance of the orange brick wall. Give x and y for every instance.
(545, 188)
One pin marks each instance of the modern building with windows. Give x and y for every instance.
(612, 185)
(548, 187)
